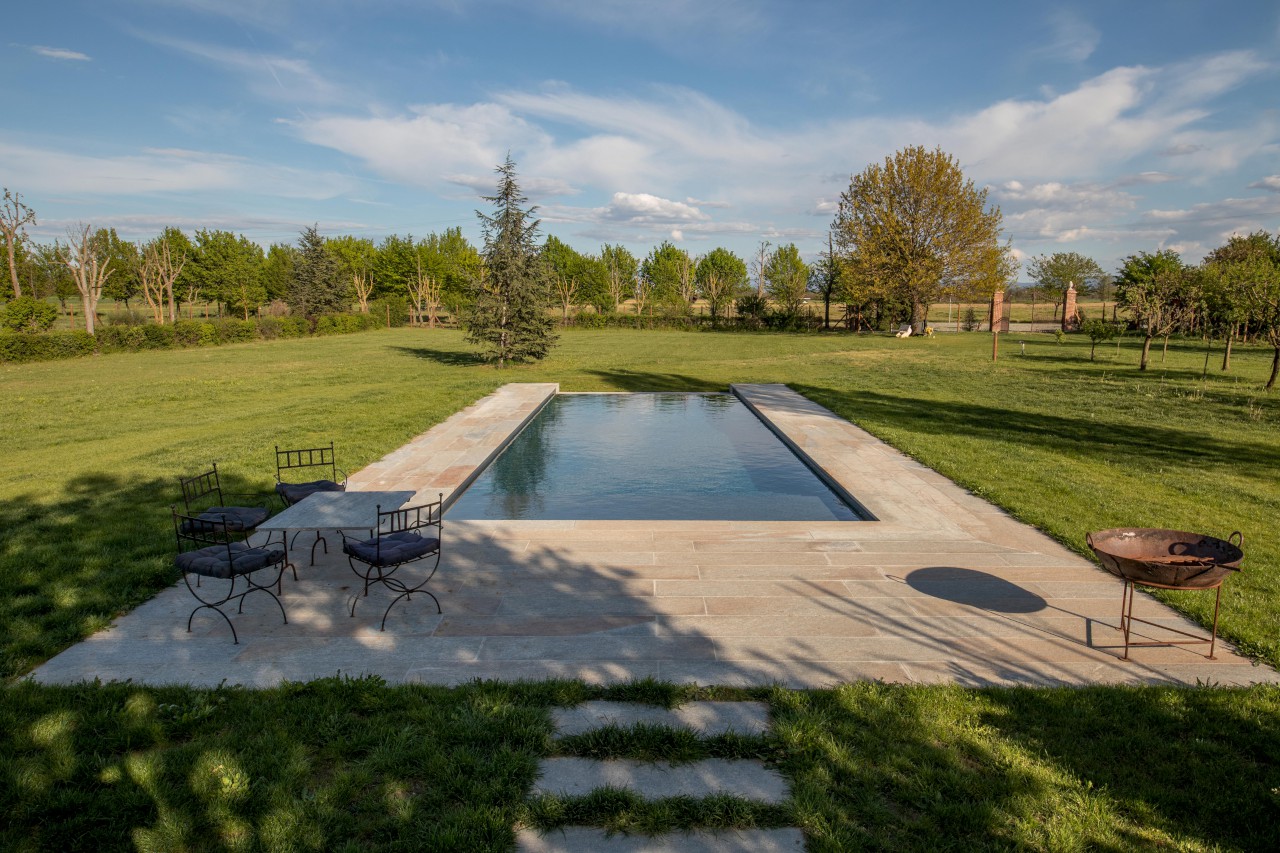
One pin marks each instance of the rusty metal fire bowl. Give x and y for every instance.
(1166, 559)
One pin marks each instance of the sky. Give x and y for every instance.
(1104, 128)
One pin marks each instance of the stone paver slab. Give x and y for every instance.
(583, 839)
(706, 719)
(577, 777)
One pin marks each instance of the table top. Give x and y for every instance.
(336, 511)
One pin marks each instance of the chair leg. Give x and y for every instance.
(234, 636)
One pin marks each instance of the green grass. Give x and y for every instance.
(93, 449)
(341, 764)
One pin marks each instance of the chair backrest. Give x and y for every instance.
(196, 489)
(194, 533)
(410, 518)
(309, 457)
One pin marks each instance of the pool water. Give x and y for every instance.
(649, 456)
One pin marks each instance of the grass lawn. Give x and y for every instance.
(93, 449)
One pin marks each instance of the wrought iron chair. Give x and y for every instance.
(398, 539)
(319, 460)
(204, 499)
(209, 548)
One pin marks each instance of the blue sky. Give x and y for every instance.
(1104, 128)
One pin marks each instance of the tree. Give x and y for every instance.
(620, 272)
(1153, 287)
(915, 224)
(126, 264)
(662, 274)
(1252, 266)
(425, 290)
(319, 286)
(1230, 270)
(1056, 272)
(277, 270)
(86, 256)
(786, 278)
(509, 320)
(162, 262)
(227, 269)
(824, 278)
(14, 217)
(566, 264)
(356, 255)
(1099, 331)
(721, 277)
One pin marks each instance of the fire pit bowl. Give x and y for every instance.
(1170, 559)
(1174, 559)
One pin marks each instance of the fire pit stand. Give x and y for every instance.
(1166, 559)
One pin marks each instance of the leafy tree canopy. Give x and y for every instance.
(915, 224)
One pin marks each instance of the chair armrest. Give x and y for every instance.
(343, 474)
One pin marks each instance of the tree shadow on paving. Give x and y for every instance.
(452, 358)
(1082, 437)
(73, 559)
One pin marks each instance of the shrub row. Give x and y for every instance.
(47, 346)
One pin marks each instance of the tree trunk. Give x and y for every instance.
(919, 316)
(13, 268)
(1275, 368)
(826, 311)
(1093, 346)
(1164, 352)
(1146, 350)
(1226, 354)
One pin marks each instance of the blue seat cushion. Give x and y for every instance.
(238, 518)
(295, 492)
(222, 561)
(396, 548)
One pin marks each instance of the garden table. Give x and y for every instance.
(334, 511)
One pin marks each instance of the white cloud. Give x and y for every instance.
(643, 207)
(277, 78)
(1072, 38)
(163, 170)
(1270, 182)
(61, 53)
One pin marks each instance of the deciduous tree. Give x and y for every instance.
(1154, 289)
(14, 219)
(786, 278)
(357, 256)
(917, 225)
(87, 258)
(509, 320)
(620, 272)
(721, 277)
(1056, 272)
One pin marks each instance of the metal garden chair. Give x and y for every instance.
(203, 498)
(211, 549)
(309, 461)
(401, 536)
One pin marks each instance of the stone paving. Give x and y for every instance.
(577, 777)
(942, 587)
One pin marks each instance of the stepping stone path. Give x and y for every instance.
(576, 777)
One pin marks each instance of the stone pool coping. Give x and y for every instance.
(942, 588)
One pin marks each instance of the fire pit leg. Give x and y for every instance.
(1126, 615)
(1213, 641)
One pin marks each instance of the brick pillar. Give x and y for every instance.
(1069, 320)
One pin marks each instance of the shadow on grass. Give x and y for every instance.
(452, 358)
(1081, 437)
(638, 380)
(73, 561)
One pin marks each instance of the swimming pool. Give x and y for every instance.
(649, 456)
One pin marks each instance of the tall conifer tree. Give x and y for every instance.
(509, 320)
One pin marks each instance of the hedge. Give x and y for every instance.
(17, 347)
